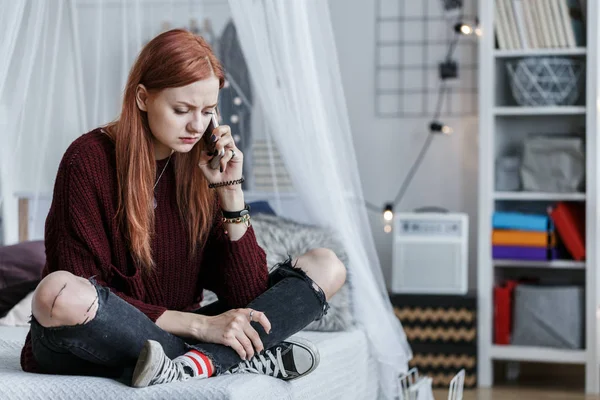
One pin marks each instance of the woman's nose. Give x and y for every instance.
(196, 126)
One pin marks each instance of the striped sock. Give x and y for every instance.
(196, 363)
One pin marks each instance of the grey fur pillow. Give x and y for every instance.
(279, 237)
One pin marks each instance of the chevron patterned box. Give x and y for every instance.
(442, 332)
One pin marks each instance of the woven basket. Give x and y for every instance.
(546, 81)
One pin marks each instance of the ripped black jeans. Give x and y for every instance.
(109, 344)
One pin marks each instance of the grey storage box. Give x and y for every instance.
(553, 164)
(550, 316)
(508, 173)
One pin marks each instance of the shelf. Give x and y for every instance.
(555, 264)
(539, 196)
(537, 354)
(577, 51)
(545, 110)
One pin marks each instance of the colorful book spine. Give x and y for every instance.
(521, 221)
(569, 219)
(523, 238)
(524, 253)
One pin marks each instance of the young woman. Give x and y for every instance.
(141, 223)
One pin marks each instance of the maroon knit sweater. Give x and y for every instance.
(82, 237)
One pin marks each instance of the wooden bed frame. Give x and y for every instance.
(23, 219)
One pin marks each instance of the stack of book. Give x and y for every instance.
(519, 236)
(535, 24)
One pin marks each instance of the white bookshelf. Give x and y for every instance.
(539, 196)
(554, 264)
(577, 51)
(558, 110)
(501, 123)
(538, 354)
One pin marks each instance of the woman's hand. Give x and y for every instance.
(233, 329)
(230, 167)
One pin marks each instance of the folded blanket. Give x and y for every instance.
(522, 238)
(523, 253)
(520, 221)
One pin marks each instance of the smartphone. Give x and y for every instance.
(214, 122)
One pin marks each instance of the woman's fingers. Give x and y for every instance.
(223, 153)
(232, 154)
(232, 341)
(262, 319)
(223, 143)
(242, 337)
(251, 334)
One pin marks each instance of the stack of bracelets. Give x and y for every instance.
(234, 217)
(237, 217)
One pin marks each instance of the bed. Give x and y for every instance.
(346, 370)
(343, 356)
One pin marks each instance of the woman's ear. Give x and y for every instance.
(141, 97)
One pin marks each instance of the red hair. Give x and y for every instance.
(172, 59)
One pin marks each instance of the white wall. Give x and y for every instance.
(386, 148)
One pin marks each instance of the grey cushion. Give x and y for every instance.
(21, 262)
(20, 271)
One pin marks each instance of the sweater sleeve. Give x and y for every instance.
(76, 239)
(235, 270)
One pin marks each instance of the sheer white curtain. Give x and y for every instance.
(63, 66)
(25, 66)
(290, 50)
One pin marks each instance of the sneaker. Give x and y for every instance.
(154, 367)
(291, 359)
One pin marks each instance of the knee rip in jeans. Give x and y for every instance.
(314, 285)
(53, 306)
(88, 314)
(95, 303)
(319, 292)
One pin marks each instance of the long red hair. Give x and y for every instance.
(172, 59)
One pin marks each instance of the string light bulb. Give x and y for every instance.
(437, 126)
(387, 228)
(463, 28)
(388, 212)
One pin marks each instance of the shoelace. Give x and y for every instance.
(259, 364)
(170, 371)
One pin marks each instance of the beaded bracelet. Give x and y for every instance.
(227, 183)
(243, 219)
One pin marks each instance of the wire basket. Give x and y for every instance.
(412, 386)
(546, 81)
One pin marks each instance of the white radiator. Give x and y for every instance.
(430, 253)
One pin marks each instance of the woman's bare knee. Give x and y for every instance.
(325, 269)
(63, 299)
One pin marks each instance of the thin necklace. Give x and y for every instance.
(160, 176)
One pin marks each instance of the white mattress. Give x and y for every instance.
(346, 372)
